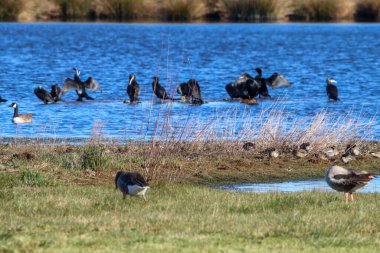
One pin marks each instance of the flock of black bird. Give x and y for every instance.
(245, 88)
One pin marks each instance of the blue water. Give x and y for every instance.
(215, 54)
(296, 186)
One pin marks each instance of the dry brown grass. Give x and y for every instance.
(206, 152)
(187, 10)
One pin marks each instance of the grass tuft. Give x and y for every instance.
(33, 178)
(94, 157)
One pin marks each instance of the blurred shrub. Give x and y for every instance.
(315, 10)
(10, 9)
(367, 10)
(182, 10)
(250, 10)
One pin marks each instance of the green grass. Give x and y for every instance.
(184, 218)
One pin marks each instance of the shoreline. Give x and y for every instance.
(96, 163)
(157, 22)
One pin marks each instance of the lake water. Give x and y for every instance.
(296, 186)
(215, 54)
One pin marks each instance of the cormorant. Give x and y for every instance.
(79, 86)
(331, 89)
(133, 89)
(43, 95)
(2, 100)
(159, 90)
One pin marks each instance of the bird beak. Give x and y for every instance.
(371, 177)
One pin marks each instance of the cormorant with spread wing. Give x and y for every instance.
(79, 86)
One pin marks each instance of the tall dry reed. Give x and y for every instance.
(315, 10)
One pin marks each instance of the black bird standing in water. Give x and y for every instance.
(55, 92)
(79, 86)
(158, 89)
(331, 89)
(196, 97)
(191, 91)
(133, 89)
(43, 95)
(263, 90)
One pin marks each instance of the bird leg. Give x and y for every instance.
(346, 197)
(352, 197)
(144, 198)
(124, 195)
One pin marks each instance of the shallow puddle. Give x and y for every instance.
(296, 186)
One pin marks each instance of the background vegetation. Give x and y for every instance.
(190, 10)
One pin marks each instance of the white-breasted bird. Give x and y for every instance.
(347, 180)
(131, 183)
(20, 118)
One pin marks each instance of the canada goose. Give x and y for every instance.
(159, 90)
(346, 180)
(43, 95)
(331, 89)
(20, 118)
(2, 100)
(131, 183)
(79, 86)
(133, 89)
